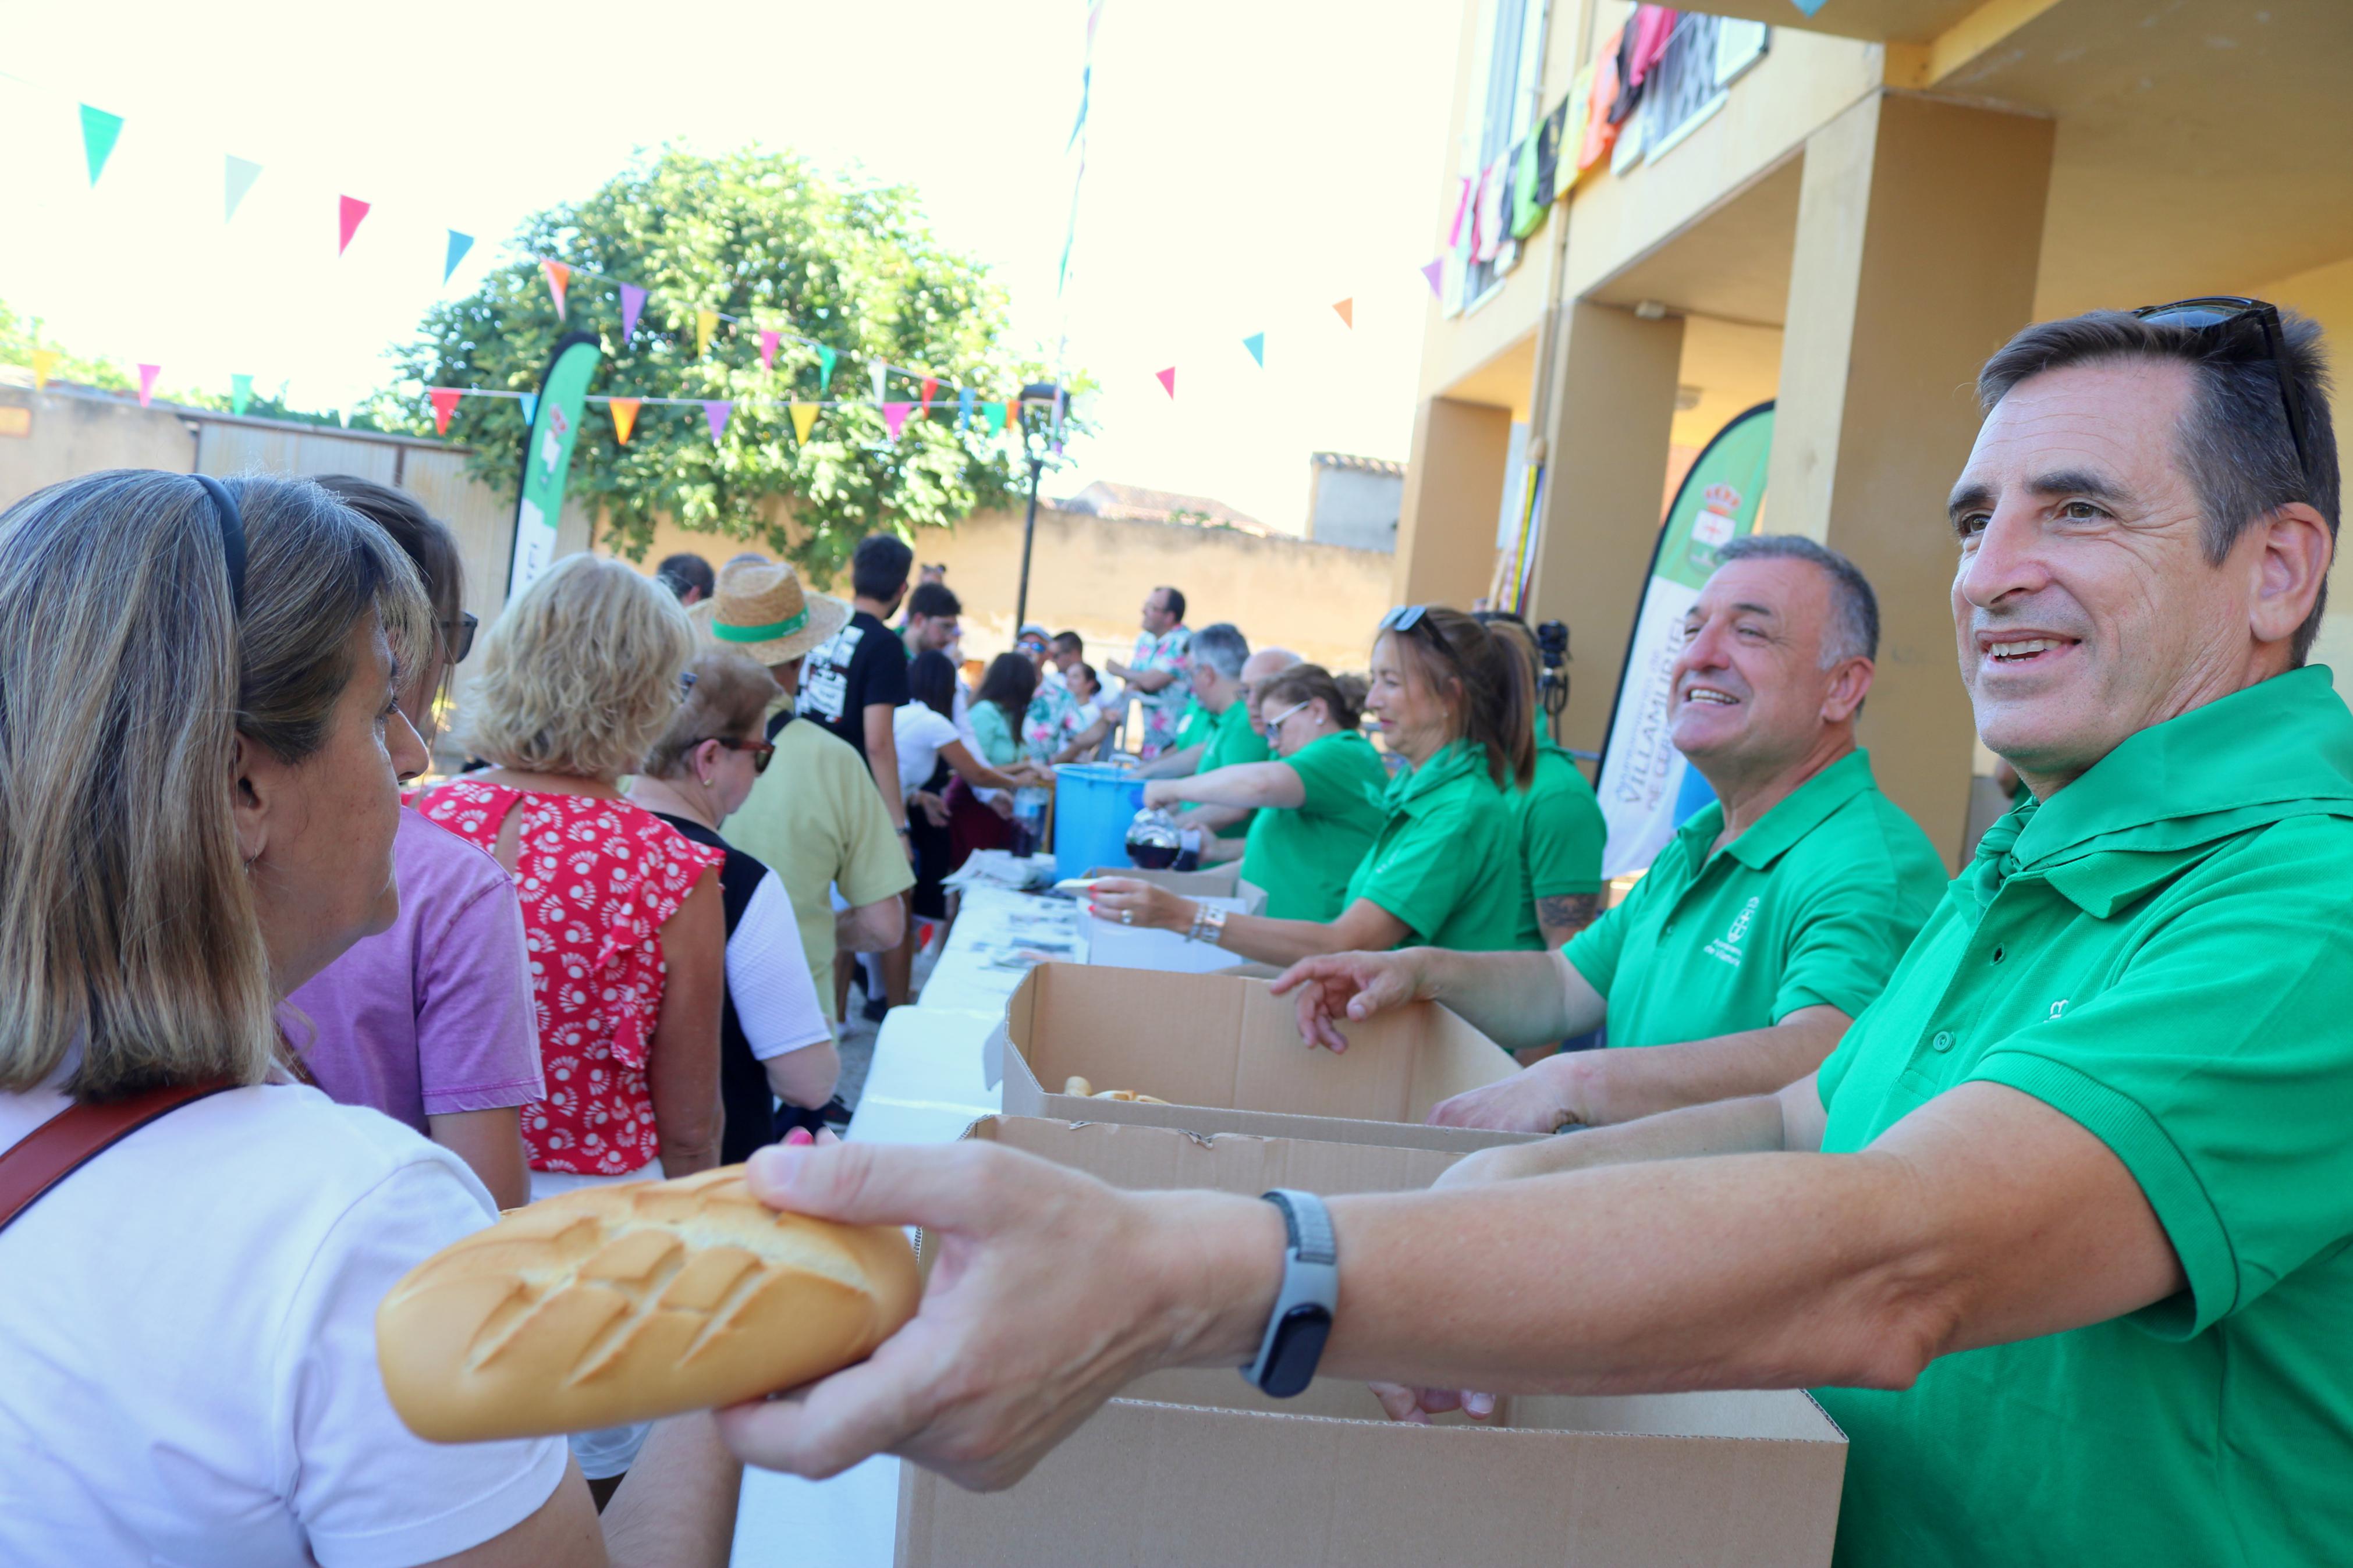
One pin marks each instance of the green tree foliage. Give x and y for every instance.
(20, 335)
(760, 236)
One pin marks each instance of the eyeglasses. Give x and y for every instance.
(457, 636)
(1274, 725)
(2227, 312)
(761, 750)
(1404, 619)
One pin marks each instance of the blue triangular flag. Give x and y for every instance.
(242, 172)
(99, 130)
(964, 408)
(1256, 344)
(530, 407)
(458, 245)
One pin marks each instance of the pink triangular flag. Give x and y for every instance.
(445, 404)
(894, 415)
(715, 416)
(1166, 378)
(633, 301)
(768, 349)
(558, 275)
(147, 374)
(1436, 273)
(353, 209)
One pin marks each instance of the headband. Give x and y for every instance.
(232, 533)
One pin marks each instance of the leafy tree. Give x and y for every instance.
(763, 236)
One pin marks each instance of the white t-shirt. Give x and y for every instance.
(187, 1347)
(768, 974)
(919, 730)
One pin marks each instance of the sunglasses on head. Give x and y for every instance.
(761, 750)
(2236, 313)
(457, 636)
(1404, 619)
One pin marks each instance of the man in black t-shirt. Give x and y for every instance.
(855, 680)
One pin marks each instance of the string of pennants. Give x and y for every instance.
(717, 412)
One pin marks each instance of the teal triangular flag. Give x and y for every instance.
(825, 358)
(99, 130)
(240, 387)
(530, 407)
(241, 176)
(458, 245)
(1256, 344)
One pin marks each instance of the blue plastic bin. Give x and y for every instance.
(1093, 803)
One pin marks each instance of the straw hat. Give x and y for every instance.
(761, 612)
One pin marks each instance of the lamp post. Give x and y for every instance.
(1047, 391)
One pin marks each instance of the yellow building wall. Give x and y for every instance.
(2326, 294)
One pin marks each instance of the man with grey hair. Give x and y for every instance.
(1213, 675)
(1770, 920)
(1216, 832)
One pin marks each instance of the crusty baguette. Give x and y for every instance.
(622, 1303)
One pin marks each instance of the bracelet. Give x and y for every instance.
(1209, 925)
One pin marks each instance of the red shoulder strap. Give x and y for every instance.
(79, 1135)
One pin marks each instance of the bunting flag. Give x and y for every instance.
(1347, 309)
(768, 349)
(894, 415)
(1256, 344)
(964, 408)
(878, 373)
(825, 358)
(558, 277)
(931, 390)
(99, 130)
(44, 361)
(1168, 379)
(530, 408)
(993, 415)
(347, 219)
(147, 374)
(715, 416)
(242, 172)
(445, 404)
(624, 411)
(240, 393)
(458, 245)
(804, 416)
(633, 303)
(1435, 274)
(705, 324)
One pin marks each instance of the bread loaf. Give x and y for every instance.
(622, 1303)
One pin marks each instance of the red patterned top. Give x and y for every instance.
(597, 878)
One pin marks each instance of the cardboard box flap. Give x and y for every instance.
(1138, 1157)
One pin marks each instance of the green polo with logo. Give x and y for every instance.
(1811, 907)
(2163, 951)
(1561, 834)
(1304, 854)
(1446, 861)
(1234, 740)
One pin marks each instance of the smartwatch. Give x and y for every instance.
(1302, 1320)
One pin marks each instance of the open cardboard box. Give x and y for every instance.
(1195, 1467)
(1228, 1057)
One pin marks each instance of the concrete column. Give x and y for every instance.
(1453, 486)
(1606, 436)
(1919, 232)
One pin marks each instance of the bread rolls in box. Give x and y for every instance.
(622, 1303)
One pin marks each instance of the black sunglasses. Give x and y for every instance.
(457, 636)
(1404, 619)
(2236, 313)
(761, 751)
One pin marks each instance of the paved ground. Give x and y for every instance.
(856, 1035)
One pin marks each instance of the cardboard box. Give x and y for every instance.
(1195, 1467)
(1229, 1058)
(1218, 882)
(1118, 946)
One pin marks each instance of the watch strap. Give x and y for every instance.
(1303, 1306)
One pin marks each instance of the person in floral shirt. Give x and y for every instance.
(1156, 671)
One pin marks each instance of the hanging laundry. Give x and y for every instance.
(1527, 211)
(1494, 193)
(1600, 122)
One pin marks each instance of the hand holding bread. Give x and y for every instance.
(618, 1304)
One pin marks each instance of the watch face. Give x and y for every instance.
(1298, 1346)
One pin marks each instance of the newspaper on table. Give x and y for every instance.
(1002, 868)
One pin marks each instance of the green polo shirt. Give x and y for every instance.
(1810, 907)
(1561, 832)
(1234, 740)
(1446, 860)
(2163, 951)
(1304, 857)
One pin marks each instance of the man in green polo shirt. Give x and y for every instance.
(2064, 1228)
(1768, 923)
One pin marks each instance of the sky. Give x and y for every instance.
(1250, 163)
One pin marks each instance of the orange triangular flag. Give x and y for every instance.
(558, 276)
(705, 324)
(804, 416)
(1347, 309)
(624, 416)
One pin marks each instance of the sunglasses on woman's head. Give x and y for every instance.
(457, 636)
(1404, 619)
(761, 750)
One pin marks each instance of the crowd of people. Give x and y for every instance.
(2037, 1176)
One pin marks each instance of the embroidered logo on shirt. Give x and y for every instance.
(1726, 948)
(2056, 1010)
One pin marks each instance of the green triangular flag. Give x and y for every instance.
(240, 393)
(825, 358)
(99, 130)
(241, 173)
(993, 414)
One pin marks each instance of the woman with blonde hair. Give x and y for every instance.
(198, 801)
(579, 676)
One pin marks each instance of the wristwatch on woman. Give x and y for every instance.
(1209, 924)
(1301, 1319)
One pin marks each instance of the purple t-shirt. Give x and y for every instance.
(433, 1015)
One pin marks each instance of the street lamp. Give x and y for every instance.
(1051, 395)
